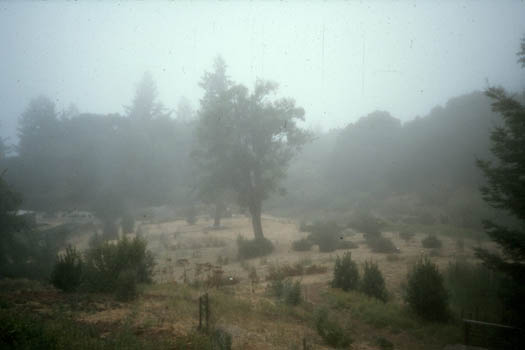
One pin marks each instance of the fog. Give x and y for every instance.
(262, 175)
(340, 61)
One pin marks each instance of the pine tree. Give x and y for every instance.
(505, 190)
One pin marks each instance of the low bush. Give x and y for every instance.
(302, 245)
(106, 262)
(373, 283)
(126, 285)
(380, 244)
(346, 274)
(67, 272)
(425, 292)
(248, 249)
(326, 234)
(221, 340)
(330, 330)
(431, 241)
(286, 290)
(277, 272)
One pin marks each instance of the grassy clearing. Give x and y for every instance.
(391, 317)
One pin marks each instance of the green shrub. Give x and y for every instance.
(126, 285)
(106, 261)
(326, 234)
(373, 283)
(346, 275)
(431, 241)
(475, 289)
(67, 272)
(221, 340)
(248, 249)
(302, 245)
(330, 330)
(286, 290)
(425, 291)
(380, 244)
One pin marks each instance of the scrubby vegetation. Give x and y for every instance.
(380, 244)
(425, 292)
(67, 273)
(346, 274)
(254, 248)
(330, 330)
(372, 283)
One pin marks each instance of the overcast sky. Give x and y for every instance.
(339, 61)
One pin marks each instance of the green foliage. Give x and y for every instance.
(67, 273)
(346, 274)
(249, 249)
(221, 340)
(109, 267)
(302, 245)
(20, 330)
(431, 241)
(475, 290)
(326, 234)
(286, 290)
(330, 330)
(372, 283)
(425, 292)
(232, 155)
(504, 190)
(24, 251)
(380, 244)
(126, 285)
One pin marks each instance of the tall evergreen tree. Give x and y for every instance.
(505, 190)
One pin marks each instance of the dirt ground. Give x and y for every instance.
(199, 243)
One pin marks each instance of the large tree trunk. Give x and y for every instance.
(255, 211)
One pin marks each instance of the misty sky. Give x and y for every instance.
(338, 60)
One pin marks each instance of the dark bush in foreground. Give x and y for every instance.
(431, 242)
(67, 272)
(221, 340)
(330, 330)
(475, 289)
(372, 283)
(286, 290)
(302, 245)
(380, 244)
(126, 285)
(106, 264)
(248, 249)
(425, 292)
(346, 275)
